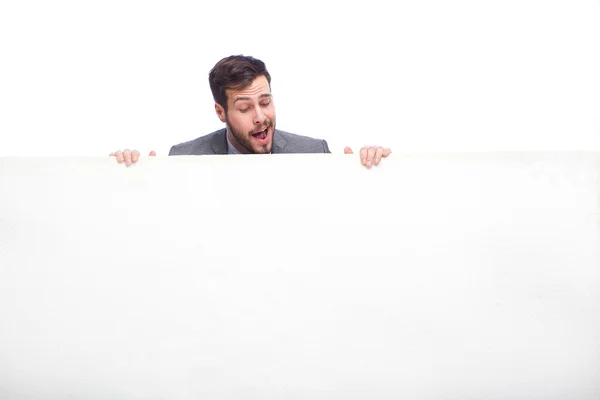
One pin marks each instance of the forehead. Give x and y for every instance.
(258, 87)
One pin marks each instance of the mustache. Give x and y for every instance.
(268, 123)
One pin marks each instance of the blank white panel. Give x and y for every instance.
(301, 276)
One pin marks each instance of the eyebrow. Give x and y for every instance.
(262, 96)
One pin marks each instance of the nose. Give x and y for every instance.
(259, 116)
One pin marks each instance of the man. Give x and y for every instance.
(241, 88)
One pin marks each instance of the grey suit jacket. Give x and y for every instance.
(283, 142)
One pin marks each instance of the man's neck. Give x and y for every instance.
(231, 149)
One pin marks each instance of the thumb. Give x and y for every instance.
(152, 153)
(348, 150)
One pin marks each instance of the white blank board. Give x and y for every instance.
(432, 276)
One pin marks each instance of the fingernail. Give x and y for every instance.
(369, 164)
(364, 160)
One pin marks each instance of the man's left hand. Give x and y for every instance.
(370, 155)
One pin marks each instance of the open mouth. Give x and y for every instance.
(262, 135)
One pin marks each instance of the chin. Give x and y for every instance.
(264, 149)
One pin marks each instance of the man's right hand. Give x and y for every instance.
(129, 156)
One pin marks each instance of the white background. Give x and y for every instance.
(87, 78)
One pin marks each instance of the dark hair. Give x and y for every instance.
(234, 72)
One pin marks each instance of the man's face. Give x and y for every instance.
(250, 117)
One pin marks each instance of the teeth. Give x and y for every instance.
(261, 134)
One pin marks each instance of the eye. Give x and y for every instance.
(243, 110)
(265, 103)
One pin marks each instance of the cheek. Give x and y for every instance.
(240, 122)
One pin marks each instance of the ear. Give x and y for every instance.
(220, 112)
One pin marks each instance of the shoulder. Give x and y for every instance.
(207, 144)
(295, 143)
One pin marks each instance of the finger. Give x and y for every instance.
(348, 150)
(152, 154)
(119, 156)
(363, 156)
(127, 157)
(378, 155)
(111, 154)
(135, 156)
(370, 156)
(387, 152)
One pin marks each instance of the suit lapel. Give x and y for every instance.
(219, 143)
(279, 143)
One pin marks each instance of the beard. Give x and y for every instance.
(245, 139)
